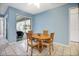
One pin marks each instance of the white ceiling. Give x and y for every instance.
(29, 8)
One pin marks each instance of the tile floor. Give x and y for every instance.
(19, 49)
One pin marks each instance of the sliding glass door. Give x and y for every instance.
(24, 25)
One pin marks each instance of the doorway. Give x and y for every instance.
(23, 25)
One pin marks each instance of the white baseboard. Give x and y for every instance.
(75, 41)
(61, 44)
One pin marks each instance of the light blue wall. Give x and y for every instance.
(1, 15)
(55, 20)
(11, 22)
(11, 25)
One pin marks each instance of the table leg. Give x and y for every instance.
(40, 46)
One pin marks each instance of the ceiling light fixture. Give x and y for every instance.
(35, 4)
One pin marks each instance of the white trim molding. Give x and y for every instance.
(60, 44)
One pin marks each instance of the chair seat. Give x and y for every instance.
(33, 43)
(45, 44)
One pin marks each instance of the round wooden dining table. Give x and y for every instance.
(40, 38)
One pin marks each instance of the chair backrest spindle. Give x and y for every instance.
(52, 36)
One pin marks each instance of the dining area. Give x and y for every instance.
(40, 41)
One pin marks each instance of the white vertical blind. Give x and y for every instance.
(74, 25)
(4, 26)
(1, 27)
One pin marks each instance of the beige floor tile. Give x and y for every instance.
(67, 51)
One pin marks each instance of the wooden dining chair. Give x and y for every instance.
(52, 35)
(30, 41)
(45, 32)
(49, 43)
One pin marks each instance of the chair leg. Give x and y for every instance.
(27, 46)
(27, 49)
(52, 47)
(42, 44)
(31, 51)
(31, 48)
(49, 49)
